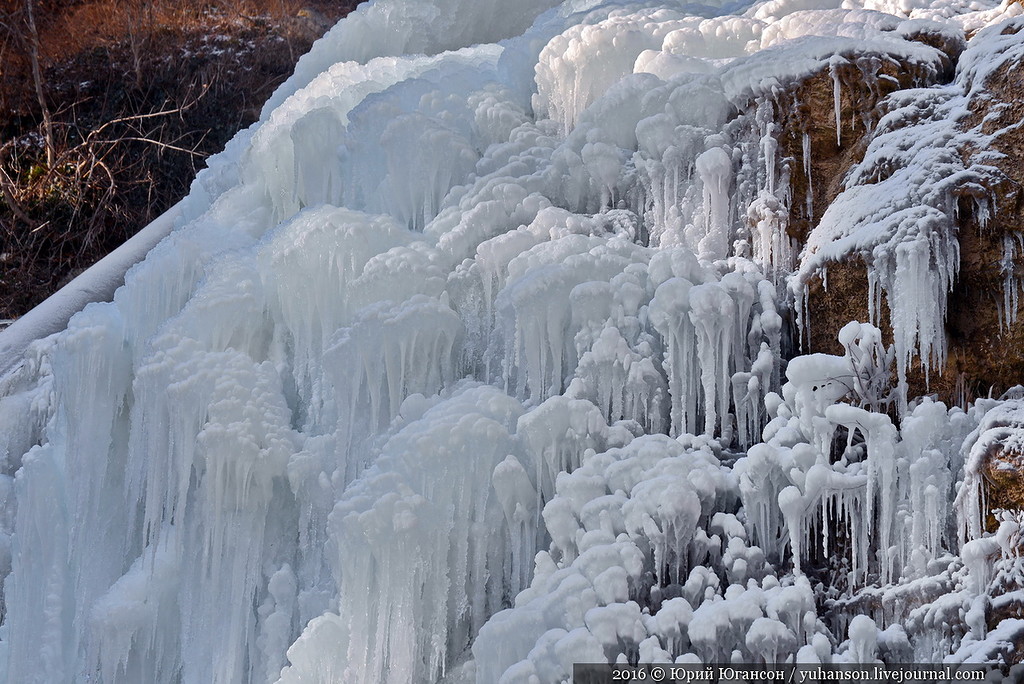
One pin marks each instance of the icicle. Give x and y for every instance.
(430, 503)
(712, 312)
(715, 169)
(791, 503)
(1012, 244)
(833, 68)
(517, 496)
(769, 148)
(809, 200)
(669, 313)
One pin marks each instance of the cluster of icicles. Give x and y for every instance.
(470, 364)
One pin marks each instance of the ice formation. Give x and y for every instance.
(479, 355)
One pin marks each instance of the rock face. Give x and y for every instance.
(863, 81)
(811, 106)
(995, 465)
(1002, 471)
(984, 328)
(991, 346)
(984, 333)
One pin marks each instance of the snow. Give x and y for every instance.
(478, 356)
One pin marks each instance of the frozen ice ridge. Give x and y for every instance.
(480, 354)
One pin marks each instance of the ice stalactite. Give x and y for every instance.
(917, 286)
(624, 384)
(244, 463)
(131, 641)
(36, 607)
(558, 434)
(400, 531)
(311, 284)
(387, 353)
(1013, 244)
(670, 315)
(809, 199)
(715, 170)
(517, 494)
(104, 431)
(712, 313)
(772, 247)
(837, 96)
(539, 350)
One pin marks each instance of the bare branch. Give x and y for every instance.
(7, 185)
(151, 141)
(37, 78)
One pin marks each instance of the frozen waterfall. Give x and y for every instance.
(480, 355)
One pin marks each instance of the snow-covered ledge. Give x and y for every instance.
(95, 284)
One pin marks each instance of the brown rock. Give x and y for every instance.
(986, 356)
(810, 108)
(1002, 472)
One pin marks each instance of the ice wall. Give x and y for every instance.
(475, 357)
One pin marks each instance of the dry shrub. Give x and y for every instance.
(139, 94)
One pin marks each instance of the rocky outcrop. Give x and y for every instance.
(994, 468)
(984, 327)
(987, 339)
(864, 80)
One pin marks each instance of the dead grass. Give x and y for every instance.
(139, 93)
